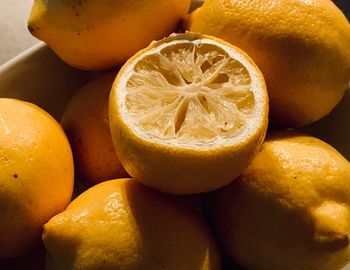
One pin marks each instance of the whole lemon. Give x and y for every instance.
(101, 34)
(302, 48)
(120, 224)
(36, 180)
(290, 209)
(86, 124)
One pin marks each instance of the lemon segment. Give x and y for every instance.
(186, 103)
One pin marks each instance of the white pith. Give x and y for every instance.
(186, 100)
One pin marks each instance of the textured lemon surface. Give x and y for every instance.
(289, 209)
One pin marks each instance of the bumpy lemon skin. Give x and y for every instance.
(120, 224)
(302, 48)
(98, 35)
(175, 170)
(86, 124)
(289, 210)
(37, 174)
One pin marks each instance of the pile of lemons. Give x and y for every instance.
(186, 147)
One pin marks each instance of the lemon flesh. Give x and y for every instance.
(193, 92)
(190, 93)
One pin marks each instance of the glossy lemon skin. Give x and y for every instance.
(120, 224)
(97, 35)
(37, 174)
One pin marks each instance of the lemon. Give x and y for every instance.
(36, 180)
(86, 124)
(302, 48)
(95, 35)
(289, 209)
(188, 113)
(120, 224)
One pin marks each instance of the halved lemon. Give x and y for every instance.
(188, 113)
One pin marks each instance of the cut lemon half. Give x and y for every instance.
(188, 113)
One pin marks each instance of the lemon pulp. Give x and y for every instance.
(189, 92)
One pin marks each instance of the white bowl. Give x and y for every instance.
(39, 76)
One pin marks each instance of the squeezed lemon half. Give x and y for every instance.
(184, 104)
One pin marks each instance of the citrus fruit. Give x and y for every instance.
(289, 209)
(302, 48)
(120, 224)
(36, 180)
(188, 113)
(95, 35)
(86, 124)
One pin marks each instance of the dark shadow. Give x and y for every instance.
(344, 5)
(228, 264)
(33, 260)
(335, 127)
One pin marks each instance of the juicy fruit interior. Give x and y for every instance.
(190, 91)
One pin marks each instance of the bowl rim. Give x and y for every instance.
(23, 55)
